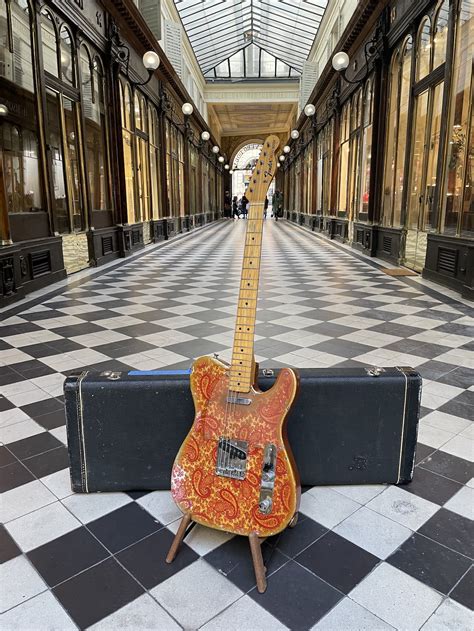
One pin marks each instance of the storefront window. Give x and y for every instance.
(458, 203)
(181, 174)
(204, 204)
(326, 170)
(354, 177)
(423, 62)
(127, 142)
(19, 150)
(366, 150)
(308, 179)
(66, 57)
(48, 40)
(397, 126)
(193, 179)
(342, 204)
(142, 154)
(93, 100)
(169, 166)
(56, 157)
(440, 35)
(154, 162)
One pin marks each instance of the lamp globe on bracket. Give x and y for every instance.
(340, 61)
(295, 134)
(150, 59)
(286, 149)
(221, 159)
(215, 149)
(205, 135)
(309, 110)
(187, 109)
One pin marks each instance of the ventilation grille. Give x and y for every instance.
(107, 245)
(135, 237)
(40, 263)
(387, 244)
(447, 261)
(360, 236)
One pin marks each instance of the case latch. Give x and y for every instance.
(375, 371)
(113, 376)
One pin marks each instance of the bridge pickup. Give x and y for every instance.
(267, 483)
(232, 458)
(238, 400)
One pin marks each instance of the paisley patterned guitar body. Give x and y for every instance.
(260, 493)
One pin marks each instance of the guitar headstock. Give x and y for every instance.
(263, 171)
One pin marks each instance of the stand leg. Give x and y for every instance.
(178, 538)
(257, 559)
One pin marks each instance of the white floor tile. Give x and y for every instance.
(446, 422)
(397, 598)
(373, 532)
(361, 493)
(327, 507)
(19, 431)
(59, 483)
(432, 436)
(11, 417)
(462, 503)
(201, 539)
(142, 614)
(207, 594)
(23, 582)
(87, 507)
(349, 616)
(450, 615)
(160, 504)
(24, 499)
(403, 507)
(41, 613)
(244, 615)
(42, 525)
(459, 446)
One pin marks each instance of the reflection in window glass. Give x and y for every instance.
(423, 64)
(433, 156)
(92, 84)
(417, 161)
(127, 139)
(66, 57)
(16, 65)
(459, 199)
(440, 35)
(21, 168)
(72, 163)
(60, 205)
(154, 163)
(344, 160)
(366, 150)
(48, 39)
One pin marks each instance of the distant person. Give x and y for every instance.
(227, 205)
(235, 207)
(244, 205)
(265, 207)
(277, 203)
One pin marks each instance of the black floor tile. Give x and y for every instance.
(65, 345)
(42, 350)
(138, 330)
(458, 409)
(33, 445)
(293, 540)
(33, 368)
(8, 548)
(10, 377)
(6, 457)
(464, 592)
(435, 370)
(66, 556)
(53, 419)
(451, 530)
(338, 561)
(124, 526)
(48, 462)
(429, 562)
(97, 592)
(232, 559)
(5, 404)
(86, 328)
(461, 377)
(14, 475)
(296, 597)
(432, 487)
(145, 559)
(35, 410)
(422, 452)
(466, 398)
(343, 348)
(449, 466)
(135, 495)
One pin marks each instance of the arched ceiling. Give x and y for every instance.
(257, 39)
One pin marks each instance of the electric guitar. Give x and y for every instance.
(235, 470)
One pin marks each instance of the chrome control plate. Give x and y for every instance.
(265, 502)
(232, 458)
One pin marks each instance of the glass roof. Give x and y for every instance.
(251, 38)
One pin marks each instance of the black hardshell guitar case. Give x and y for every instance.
(347, 426)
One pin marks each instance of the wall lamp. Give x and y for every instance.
(150, 59)
(340, 61)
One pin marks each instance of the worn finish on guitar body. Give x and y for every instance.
(224, 502)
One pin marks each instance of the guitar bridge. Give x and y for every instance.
(232, 458)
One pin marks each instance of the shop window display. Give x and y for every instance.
(458, 202)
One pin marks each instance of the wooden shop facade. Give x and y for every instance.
(386, 162)
(93, 166)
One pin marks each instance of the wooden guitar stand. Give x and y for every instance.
(255, 541)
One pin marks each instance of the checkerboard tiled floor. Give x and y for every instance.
(360, 557)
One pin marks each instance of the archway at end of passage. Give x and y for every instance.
(242, 164)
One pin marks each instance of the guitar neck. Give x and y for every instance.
(242, 371)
